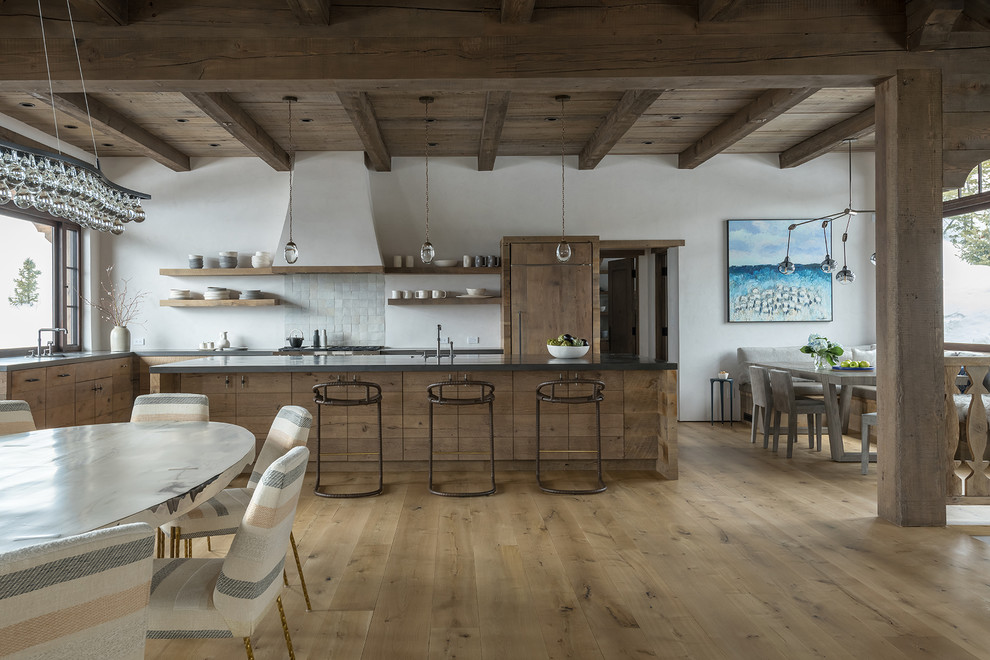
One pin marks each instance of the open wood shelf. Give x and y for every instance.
(445, 301)
(261, 302)
(214, 272)
(326, 270)
(452, 270)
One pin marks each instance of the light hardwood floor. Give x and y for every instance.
(747, 555)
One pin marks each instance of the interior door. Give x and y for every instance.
(622, 309)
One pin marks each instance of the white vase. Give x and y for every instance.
(223, 342)
(120, 339)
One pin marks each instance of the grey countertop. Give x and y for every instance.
(462, 362)
(16, 363)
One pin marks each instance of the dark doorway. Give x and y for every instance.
(622, 307)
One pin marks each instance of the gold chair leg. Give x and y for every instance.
(302, 578)
(247, 647)
(285, 629)
(209, 546)
(159, 543)
(188, 548)
(285, 578)
(173, 550)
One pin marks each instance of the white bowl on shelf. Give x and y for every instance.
(476, 292)
(445, 263)
(567, 351)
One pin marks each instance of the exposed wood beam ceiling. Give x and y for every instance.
(496, 107)
(11, 136)
(362, 114)
(311, 12)
(222, 109)
(716, 10)
(817, 145)
(632, 104)
(113, 123)
(197, 79)
(930, 22)
(766, 107)
(517, 11)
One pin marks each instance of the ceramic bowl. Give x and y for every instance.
(567, 351)
(445, 263)
(476, 292)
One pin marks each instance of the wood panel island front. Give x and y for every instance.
(638, 415)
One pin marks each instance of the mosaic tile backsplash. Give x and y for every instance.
(351, 308)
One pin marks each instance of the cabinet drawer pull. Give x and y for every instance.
(31, 380)
(243, 381)
(64, 375)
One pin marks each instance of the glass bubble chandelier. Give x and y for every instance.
(563, 251)
(843, 275)
(63, 186)
(426, 251)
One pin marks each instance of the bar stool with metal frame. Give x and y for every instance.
(486, 394)
(595, 396)
(322, 396)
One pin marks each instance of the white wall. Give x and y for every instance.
(240, 204)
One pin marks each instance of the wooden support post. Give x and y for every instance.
(910, 377)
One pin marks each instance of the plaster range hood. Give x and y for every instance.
(332, 222)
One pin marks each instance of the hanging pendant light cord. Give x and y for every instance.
(82, 82)
(426, 121)
(563, 209)
(48, 68)
(292, 158)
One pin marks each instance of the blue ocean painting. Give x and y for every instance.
(757, 291)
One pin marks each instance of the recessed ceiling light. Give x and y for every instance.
(214, 144)
(434, 144)
(27, 104)
(647, 141)
(675, 116)
(107, 144)
(549, 119)
(306, 120)
(182, 121)
(70, 126)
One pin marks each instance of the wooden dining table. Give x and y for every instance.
(837, 386)
(64, 481)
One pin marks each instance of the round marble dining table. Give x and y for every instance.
(64, 481)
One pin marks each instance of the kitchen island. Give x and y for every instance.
(638, 415)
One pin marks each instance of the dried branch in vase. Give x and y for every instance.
(116, 304)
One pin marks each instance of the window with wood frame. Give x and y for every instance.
(966, 262)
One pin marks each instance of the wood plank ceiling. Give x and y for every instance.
(151, 104)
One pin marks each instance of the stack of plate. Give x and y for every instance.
(261, 260)
(251, 294)
(179, 294)
(195, 261)
(216, 293)
(228, 259)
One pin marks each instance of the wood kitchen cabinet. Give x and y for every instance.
(90, 392)
(543, 298)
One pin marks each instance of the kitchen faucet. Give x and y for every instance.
(54, 332)
(439, 328)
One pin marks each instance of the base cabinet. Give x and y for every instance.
(92, 392)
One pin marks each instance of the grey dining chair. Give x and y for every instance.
(171, 407)
(759, 379)
(785, 401)
(15, 417)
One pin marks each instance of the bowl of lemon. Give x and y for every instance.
(567, 346)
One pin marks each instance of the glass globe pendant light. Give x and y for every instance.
(845, 275)
(828, 263)
(426, 252)
(786, 267)
(563, 248)
(291, 251)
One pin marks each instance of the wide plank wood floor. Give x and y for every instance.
(747, 555)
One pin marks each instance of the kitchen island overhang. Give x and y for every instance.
(638, 415)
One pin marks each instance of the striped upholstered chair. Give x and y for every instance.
(211, 597)
(15, 417)
(83, 596)
(171, 407)
(221, 514)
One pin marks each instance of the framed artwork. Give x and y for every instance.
(757, 291)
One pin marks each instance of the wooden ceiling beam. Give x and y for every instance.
(311, 12)
(824, 142)
(517, 11)
(222, 109)
(115, 10)
(618, 121)
(768, 105)
(362, 114)
(929, 22)
(8, 135)
(496, 107)
(113, 123)
(978, 11)
(717, 10)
